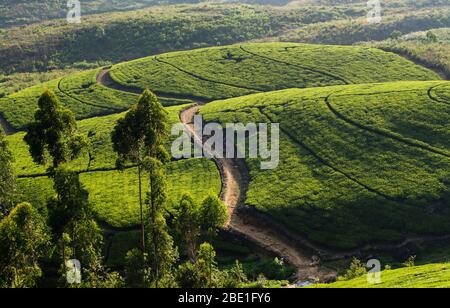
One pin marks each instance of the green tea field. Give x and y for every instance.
(364, 149)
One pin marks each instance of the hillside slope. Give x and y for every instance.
(113, 193)
(349, 153)
(425, 276)
(359, 165)
(216, 73)
(223, 72)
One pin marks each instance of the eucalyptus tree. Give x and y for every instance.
(213, 214)
(53, 136)
(23, 242)
(162, 254)
(139, 135)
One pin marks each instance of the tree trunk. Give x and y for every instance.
(155, 240)
(141, 209)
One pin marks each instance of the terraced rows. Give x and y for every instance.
(351, 155)
(343, 185)
(112, 193)
(230, 71)
(79, 92)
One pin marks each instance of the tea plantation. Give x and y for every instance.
(224, 72)
(354, 176)
(113, 193)
(425, 276)
(365, 152)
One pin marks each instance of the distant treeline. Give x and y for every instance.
(122, 36)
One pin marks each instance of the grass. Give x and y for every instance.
(425, 276)
(344, 186)
(224, 72)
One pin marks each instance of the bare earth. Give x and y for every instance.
(233, 195)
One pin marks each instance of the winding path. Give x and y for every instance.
(235, 181)
(261, 230)
(7, 128)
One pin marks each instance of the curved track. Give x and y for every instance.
(271, 236)
(235, 183)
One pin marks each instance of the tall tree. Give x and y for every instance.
(72, 220)
(23, 242)
(162, 254)
(203, 273)
(53, 134)
(140, 134)
(206, 263)
(7, 177)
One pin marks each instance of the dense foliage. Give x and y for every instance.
(122, 36)
(431, 48)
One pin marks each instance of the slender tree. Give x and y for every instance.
(7, 177)
(203, 273)
(53, 134)
(162, 255)
(140, 134)
(206, 263)
(23, 242)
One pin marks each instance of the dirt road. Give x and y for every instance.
(235, 183)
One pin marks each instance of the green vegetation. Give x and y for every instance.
(7, 177)
(78, 92)
(264, 67)
(231, 71)
(347, 156)
(432, 48)
(19, 12)
(113, 193)
(120, 36)
(350, 31)
(360, 164)
(23, 242)
(425, 276)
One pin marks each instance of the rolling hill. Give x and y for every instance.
(352, 172)
(217, 73)
(365, 154)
